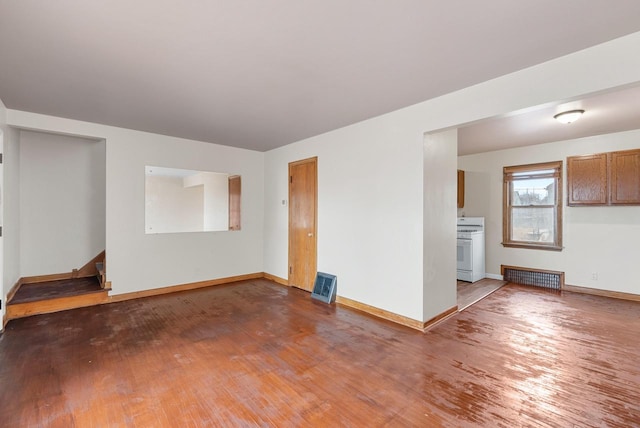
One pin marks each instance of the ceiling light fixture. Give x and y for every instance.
(568, 116)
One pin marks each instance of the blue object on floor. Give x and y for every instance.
(324, 288)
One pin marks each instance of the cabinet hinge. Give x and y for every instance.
(291, 179)
(290, 270)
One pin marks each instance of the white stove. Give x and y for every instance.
(470, 249)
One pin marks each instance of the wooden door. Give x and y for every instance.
(303, 192)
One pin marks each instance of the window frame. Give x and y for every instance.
(509, 176)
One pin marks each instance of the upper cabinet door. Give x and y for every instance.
(587, 180)
(625, 177)
(460, 188)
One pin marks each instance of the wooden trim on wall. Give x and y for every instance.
(46, 278)
(440, 317)
(381, 313)
(53, 305)
(603, 293)
(183, 287)
(89, 269)
(275, 279)
(5, 320)
(14, 290)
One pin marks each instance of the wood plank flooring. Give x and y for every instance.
(54, 289)
(259, 354)
(470, 293)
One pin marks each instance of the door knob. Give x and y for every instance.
(310, 234)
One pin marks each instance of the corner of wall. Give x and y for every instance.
(3, 293)
(10, 253)
(439, 217)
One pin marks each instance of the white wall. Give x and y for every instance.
(11, 209)
(136, 261)
(370, 189)
(3, 121)
(369, 213)
(439, 208)
(62, 202)
(598, 240)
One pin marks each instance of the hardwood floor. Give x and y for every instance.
(259, 354)
(470, 293)
(54, 289)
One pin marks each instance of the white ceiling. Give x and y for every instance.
(605, 113)
(261, 74)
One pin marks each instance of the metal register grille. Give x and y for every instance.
(534, 277)
(324, 288)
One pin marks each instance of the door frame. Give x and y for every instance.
(313, 159)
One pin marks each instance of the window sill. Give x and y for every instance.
(532, 246)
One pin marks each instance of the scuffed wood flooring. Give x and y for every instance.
(470, 293)
(259, 354)
(55, 289)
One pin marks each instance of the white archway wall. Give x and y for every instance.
(439, 226)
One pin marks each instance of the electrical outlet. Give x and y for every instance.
(594, 276)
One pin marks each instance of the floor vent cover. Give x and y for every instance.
(324, 288)
(535, 277)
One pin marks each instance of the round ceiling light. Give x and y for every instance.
(568, 116)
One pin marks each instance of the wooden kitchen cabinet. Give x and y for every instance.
(587, 180)
(460, 188)
(625, 177)
(604, 179)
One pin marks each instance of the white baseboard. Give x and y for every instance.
(493, 276)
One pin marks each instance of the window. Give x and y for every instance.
(532, 214)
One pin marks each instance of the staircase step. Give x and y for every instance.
(37, 307)
(53, 296)
(54, 289)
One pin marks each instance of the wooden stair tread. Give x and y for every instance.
(54, 296)
(43, 291)
(25, 309)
